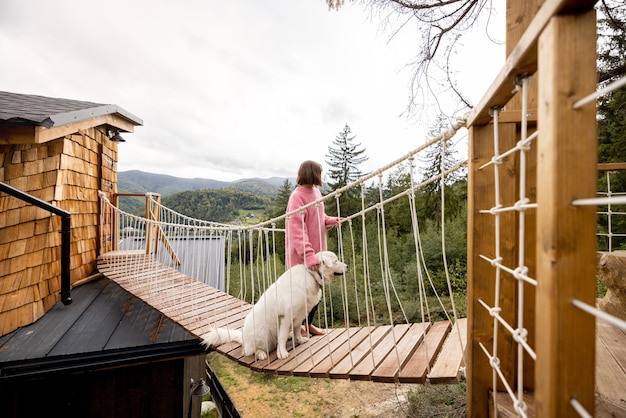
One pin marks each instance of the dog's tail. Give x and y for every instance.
(219, 336)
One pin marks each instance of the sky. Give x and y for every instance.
(234, 89)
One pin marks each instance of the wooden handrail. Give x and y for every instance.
(611, 166)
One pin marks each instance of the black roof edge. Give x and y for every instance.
(98, 360)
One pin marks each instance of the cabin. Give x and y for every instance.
(71, 340)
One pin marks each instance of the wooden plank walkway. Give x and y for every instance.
(610, 377)
(401, 353)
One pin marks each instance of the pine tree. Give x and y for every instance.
(612, 66)
(612, 111)
(344, 158)
(281, 200)
(278, 208)
(439, 158)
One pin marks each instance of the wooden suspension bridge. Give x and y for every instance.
(404, 353)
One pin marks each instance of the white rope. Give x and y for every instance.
(519, 332)
(442, 185)
(519, 406)
(522, 144)
(620, 323)
(522, 245)
(254, 246)
(620, 200)
(496, 174)
(579, 408)
(387, 281)
(601, 92)
(518, 273)
(418, 264)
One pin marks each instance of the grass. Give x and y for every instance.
(437, 401)
(425, 401)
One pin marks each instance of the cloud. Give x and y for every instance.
(226, 90)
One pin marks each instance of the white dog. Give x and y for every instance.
(280, 310)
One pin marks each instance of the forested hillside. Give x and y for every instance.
(140, 182)
(217, 205)
(136, 181)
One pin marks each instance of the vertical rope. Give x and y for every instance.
(257, 258)
(416, 242)
(442, 185)
(522, 240)
(498, 254)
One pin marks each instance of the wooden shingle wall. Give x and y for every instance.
(67, 172)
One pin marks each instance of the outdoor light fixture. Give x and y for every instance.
(117, 137)
(199, 388)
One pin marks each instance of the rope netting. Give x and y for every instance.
(517, 268)
(244, 260)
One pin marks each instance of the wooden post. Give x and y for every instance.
(481, 239)
(115, 224)
(481, 274)
(519, 15)
(566, 260)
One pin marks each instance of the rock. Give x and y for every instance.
(612, 273)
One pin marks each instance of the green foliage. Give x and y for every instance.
(253, 186)
(278, 208)
(612, 119)
(140, 182)
(428, 401)
(344, 158)
(135, 181)
(399, 282)
(217, 205)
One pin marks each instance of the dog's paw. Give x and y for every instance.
(302, 340)
(261, 355)
(282, 353)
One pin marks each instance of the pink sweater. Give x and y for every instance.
(306, 231)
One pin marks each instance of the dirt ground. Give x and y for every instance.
(255, 395)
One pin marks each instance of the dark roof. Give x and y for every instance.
(51, 112)
(104, 326)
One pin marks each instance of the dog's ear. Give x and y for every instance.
(328, 259)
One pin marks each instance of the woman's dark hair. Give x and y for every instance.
(310, 172)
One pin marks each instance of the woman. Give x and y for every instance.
(306, 231)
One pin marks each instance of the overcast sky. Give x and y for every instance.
(231, 89)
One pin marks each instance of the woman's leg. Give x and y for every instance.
(313, 330)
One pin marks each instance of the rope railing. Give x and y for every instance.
(518, 270)
(518, 333)
(248, 262)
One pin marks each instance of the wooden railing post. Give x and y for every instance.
(481, 274)
(566, 260)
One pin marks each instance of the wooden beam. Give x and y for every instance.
(522, 59)
(515, 116)
(16, 134)
(566, 253)
(47, 134)
(38, 134)
(480, 273)
(611, 166)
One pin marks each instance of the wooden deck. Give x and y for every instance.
(400, 353)
(610, 377)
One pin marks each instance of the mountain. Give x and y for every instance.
(135, 181)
